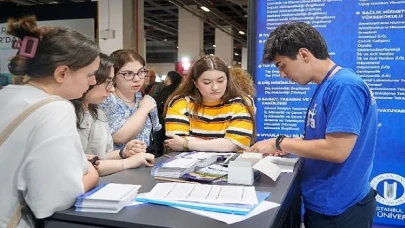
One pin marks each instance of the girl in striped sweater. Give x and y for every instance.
(209, 112)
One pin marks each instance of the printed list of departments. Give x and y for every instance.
(375, 55)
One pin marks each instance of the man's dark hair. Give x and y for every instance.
(288, 38)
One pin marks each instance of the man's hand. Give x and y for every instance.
(267, 147)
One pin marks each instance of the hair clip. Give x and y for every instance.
(16, 43)
(28, 46)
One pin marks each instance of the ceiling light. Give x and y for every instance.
(236, 53)
(214, 45)
(205, 9)
(185, 60)
(242, 32)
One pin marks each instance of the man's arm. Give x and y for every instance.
(336, 147)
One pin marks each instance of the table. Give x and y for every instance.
(284, 191)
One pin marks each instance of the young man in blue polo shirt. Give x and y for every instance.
(340, 130)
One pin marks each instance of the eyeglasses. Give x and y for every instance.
(109, 83)
(130, 75)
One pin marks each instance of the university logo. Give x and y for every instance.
(392, 188)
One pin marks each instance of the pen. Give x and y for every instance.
(168, 156)
(175, 180)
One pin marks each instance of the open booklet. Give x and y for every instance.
(218, 198)
(204, 193)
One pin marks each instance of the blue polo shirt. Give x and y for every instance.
(344, 104)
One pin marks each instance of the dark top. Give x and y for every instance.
(154, 89)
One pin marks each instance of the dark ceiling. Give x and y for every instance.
(161, 23)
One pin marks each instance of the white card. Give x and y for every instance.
(269, 169)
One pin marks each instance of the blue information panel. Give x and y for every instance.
(365, 35)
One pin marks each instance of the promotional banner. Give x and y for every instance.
(85, 26)
(5, 52)
(365, 35)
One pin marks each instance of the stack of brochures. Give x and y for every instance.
(107, 198)
(183, 163)
(209, 174)
(218, 198)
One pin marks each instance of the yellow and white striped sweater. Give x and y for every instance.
(230, 120)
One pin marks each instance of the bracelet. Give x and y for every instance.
(279, 139)
(185, 144)
(121, 153)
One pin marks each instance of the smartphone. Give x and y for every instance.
(93, 160)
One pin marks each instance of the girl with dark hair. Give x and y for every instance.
(95, 133)
(172, 82)
(208, 111)
(42, 165)
(131, 114)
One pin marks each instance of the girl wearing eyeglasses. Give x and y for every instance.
(95, 132)
(130, 114)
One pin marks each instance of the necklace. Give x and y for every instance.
(124, 100)
(36, 86)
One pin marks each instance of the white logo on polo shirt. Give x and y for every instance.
(311, 117)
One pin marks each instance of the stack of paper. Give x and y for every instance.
(180, 165)
(107, 198)
(218, 198)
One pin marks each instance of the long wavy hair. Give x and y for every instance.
(244, 80)
(188, 88)
(103, 72)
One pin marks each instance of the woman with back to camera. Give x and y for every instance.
(172, 82)
(130, 114)
(42, 164)
(95, 133)
(208, 112)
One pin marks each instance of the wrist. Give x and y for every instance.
(123, 164)
(121, 152)
(91, 169)
(278, 141)
(144, 110)
(186, 144)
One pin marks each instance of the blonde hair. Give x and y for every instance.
(244, 80)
